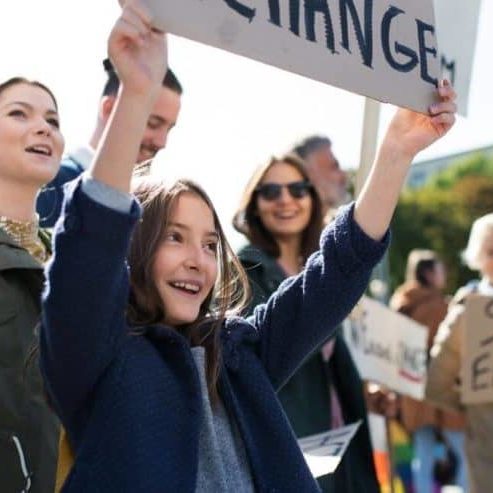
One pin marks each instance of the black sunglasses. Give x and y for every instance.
(272, 191)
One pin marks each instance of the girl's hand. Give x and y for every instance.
(412, 132)
(408, 134)
(137, 50)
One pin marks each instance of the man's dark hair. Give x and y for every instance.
(311, 144)
(113, 83)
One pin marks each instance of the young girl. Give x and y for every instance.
(167, 393)
(445, 367)
(31, 146)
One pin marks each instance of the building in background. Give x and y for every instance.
(422, 171)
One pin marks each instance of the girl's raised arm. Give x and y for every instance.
(138, 53)
(85, 300)
(305, 309)
(408, 134)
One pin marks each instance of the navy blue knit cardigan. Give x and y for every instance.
(131, 404)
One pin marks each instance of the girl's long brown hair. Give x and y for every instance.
(231, 291)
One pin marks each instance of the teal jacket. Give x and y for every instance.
(28, 428)
(305, 397)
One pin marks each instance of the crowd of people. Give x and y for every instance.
(149, 356)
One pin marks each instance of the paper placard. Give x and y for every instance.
(477, 362)
(457, 30)
(323, 452)
(377, 48)
(388, 347)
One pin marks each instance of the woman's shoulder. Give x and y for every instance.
(252, 255)
(13, 256)
(454, 321)
(411, 295)
(261, 266)
(460, 297)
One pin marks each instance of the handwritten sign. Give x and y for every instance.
(323, 452)
(388, 347)
(378, 48)
(477, 364)
(457, 44)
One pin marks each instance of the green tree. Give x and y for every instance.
(439, 217)
(477, 164)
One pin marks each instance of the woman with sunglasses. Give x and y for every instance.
(281, 215)
(31, 147)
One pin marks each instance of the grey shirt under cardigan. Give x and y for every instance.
(223, 464)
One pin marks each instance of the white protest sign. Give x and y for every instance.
(477, 362)
(388, 347)
(323, 452)
(382, 49)
(457, 28)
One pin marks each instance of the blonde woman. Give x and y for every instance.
(444, 372)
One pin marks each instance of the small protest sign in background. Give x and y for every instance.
(388, 347)
(323, 452)
(381, 49)
(477, 362)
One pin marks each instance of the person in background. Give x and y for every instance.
(443, 383)
(324, 171)
(331, 183)
(421, 298)
(161, 121)
(31, 147)
(281, 215)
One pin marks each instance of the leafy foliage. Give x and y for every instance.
(477, 164)
(439, 217)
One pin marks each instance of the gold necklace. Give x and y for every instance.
(26, 235)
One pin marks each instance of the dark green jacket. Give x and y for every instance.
(305, 397)
(28, 428)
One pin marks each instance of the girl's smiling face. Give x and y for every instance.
(185, 264)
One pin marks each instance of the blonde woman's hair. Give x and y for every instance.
(480, 230)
